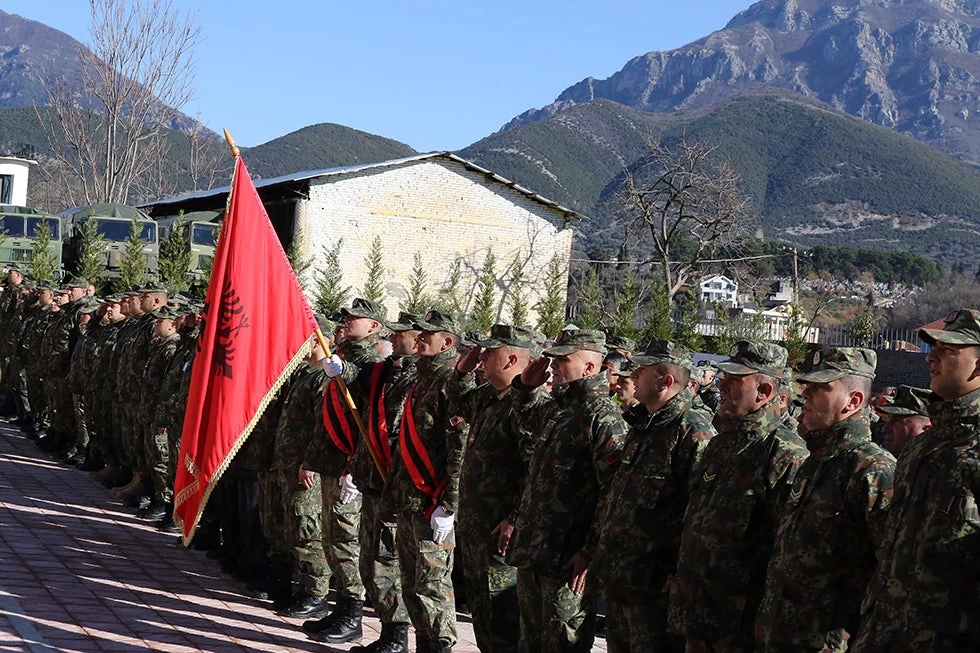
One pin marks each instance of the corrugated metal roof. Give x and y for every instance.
(393, 163)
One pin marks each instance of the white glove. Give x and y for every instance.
(333, 366)
(348, 491)
(442, 525)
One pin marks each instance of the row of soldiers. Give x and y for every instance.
(736, 531)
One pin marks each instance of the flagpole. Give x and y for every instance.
(357, 417)
(235, 152)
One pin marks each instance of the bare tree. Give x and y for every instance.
(690, 205)
(131, 86)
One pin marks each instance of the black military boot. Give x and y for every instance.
(441, 647)
(306, 606)
(422, 644)
(347, 626)
(394, 639)
(155, 511)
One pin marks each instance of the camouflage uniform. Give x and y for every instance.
(342, 521)
(156, 446)
(107, 418)
(495, 462)
(823, 553)
(580, 436)
(644, 515)
(426, 566)
(925, 593)
(300, 507)
(79, 373)
(379, 555)
(734, 506)
(57, 343)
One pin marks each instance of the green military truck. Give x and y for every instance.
(113, 222)
(18, 231)
(201, 229)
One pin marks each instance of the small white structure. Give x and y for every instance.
(718, 289)
(14, 173)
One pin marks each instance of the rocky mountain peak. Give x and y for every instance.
(909, 65)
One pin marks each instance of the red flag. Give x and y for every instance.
(256, 331)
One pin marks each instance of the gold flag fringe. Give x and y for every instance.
(304, 352)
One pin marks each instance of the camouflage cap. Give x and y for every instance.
(838, 362)
(13, 267)
(406, 322)
(113, 299)
(626, 369)
(327, 326)
(165, 313)
(663, 351)
(366, 308)
(621, 342)
(76, 282)
(152, 286)
(909, 400)
(44, 285)
(511, 336)
(571, 341)
(470, 339)
(962, 328)
(89, 306)
(753, 356)
(132, 293)
(787, 378)
(438, 321)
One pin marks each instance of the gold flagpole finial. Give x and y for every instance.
(231, 144)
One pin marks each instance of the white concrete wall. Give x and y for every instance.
(437, 208)
(19, 169)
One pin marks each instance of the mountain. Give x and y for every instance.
(812, 174)
(316, 147)
(909, 65)
(29, 52)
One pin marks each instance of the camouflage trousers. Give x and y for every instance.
(16, 382)
(341, 541)
(636, 622)
(302, 527)
(158, 462)
(115, 452)
(81, 420)
(58, 398)
(271, 518)
(491, 588)
(427, 586)
(554, 618)
(36, 396)
(379, 561)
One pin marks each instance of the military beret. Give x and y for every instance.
(838, 362)
(962, 328)
(752, 356)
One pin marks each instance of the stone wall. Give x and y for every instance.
(440, 209)
(897, 368)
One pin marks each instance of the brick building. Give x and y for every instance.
(439, 205)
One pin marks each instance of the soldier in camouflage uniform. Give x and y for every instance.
(8, 317)
(925, 594)
(824, 550)
(644, 508)
(169, 414)
(357, 347)
(906, 417)
(423, 487)
(57, 343)
(79, 372)
(106, 465)
(163, 348)
(734, 506)
(580, 435)
(15, 373)
(301, 504)
(495, 463)
(390, 382)
(32, 332)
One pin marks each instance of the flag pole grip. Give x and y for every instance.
(353, 409)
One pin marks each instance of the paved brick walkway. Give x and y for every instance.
(79, 572)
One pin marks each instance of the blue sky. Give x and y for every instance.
(437, 75)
